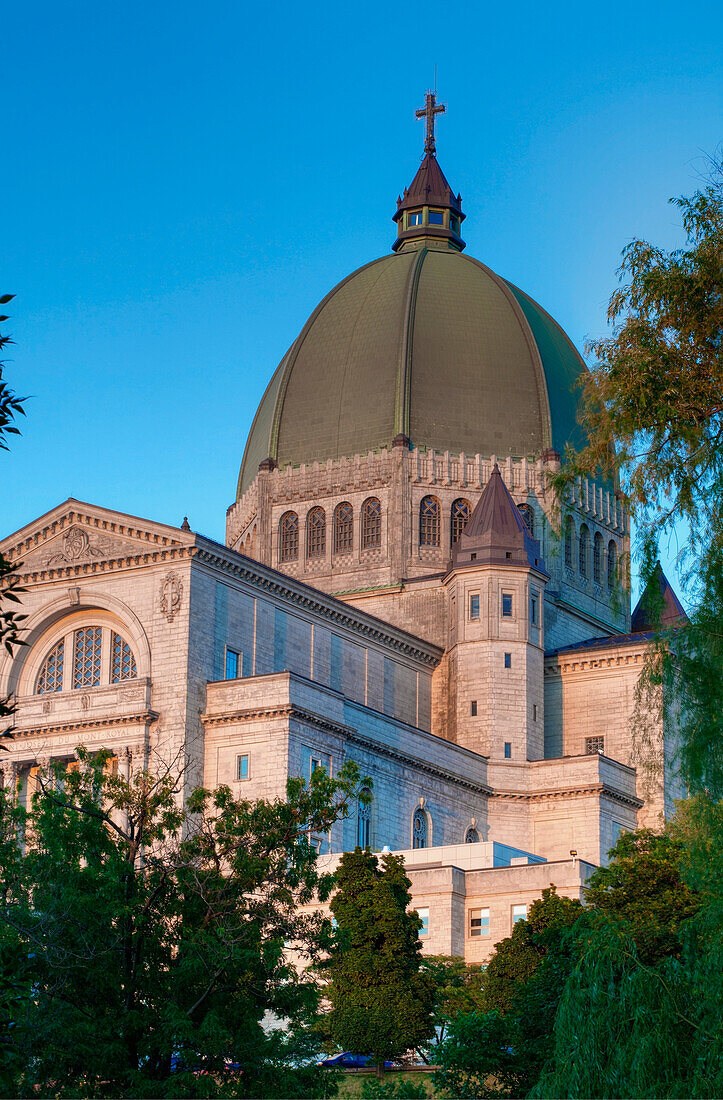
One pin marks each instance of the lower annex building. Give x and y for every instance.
(397, 587)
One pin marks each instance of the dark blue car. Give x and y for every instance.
(350, 1061)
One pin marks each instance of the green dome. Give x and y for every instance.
(427, 343)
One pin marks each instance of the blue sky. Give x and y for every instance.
(182, 183)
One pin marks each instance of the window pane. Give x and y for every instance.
(316, 533)
(519, 912)
(474, 607)
(424, 917)
(429, 522)
(415, 218)
(436, 217)
(460, 514)
(508, 660)
(419, 829)
(479, 922)
(364, 815)
(506, 605)
(371, 524)
(343, 529)
(122, 661)
(508, 750)
(289, 537)
(51, 674)
(231, 664)
(86, 661)
(533, 610)
(594, 745)
(242, 767)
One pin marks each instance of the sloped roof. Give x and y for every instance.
(672, 612)
(496, 532)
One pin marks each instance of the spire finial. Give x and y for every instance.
(428, 111)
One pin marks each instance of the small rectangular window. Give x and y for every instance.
(534, 712)
(479, 922)
(473, 708)
(424, 917)
(508, 750)
(519, 912)
(534, 609)
(474, 607)
(415, 218)
(231, 664)
(242, 767)
(594, 745)
(436, 217)
(508, 660)
(506, 605)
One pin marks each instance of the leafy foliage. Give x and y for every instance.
(143, 944)
(380, 1000)
(457, 988)
(11, 406)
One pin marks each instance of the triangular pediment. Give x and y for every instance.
(76, 533)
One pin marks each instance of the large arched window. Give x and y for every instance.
(419, 828)
(429, 522)
(471, 836)
(597, 558)
(364, 819)
(371, 537)
(316, 533)
(289, 537)
(583, 552)
(85, 658)
(612, 564)
(343, 528)
(528, 516)
(460, 514)
(569, 535)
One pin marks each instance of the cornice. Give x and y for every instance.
(305, 598)
(583, 665)
(568, 793)
(91, 723)
(101, 566)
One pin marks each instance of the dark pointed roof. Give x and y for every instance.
(672, 612)
(496, 533)
(429, 188)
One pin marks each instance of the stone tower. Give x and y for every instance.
(496, 589)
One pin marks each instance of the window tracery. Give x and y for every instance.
(371, 524)
(364, 820)
(429, 522)
(612, 564)
(528, 516)
(123, 663)
(316, 533)
(471, 836)
(460, 514)
(597, 557)
(419, 828)
(51, 672)
(569, 533)
(583, 552)
(86, 657)
(343, 528)
(289, 537)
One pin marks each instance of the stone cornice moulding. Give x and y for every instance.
(584, 665)
(557, 794)
(40, 730)
(99, 566)
(303, 596)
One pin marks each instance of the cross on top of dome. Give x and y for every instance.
(430, 109)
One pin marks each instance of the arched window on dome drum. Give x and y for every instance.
(316, 533)
(583, 552)
(364, 820)
(289, 537)
(122, 661)
(51, 673)
(429, 522)
(371, 524)
(471, 836)
(419, 828)
(460, 514)
(569, 534)
(528, 516)
(612, 564)
(597, 558)
(343, 528)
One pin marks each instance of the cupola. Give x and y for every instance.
(429, 212)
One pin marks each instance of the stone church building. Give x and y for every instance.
(398, 587)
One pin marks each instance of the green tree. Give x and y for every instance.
(142, 944)
(457, 988)
(11, 407)
(380, 1001)
(501, 1049)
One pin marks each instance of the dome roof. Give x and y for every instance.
(427, 343)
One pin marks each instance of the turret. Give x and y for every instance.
(496, 587)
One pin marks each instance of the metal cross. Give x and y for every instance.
(429, 110)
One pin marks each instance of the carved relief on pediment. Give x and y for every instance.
(74, 546)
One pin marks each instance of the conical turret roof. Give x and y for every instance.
(496, 533)
(672, 612)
